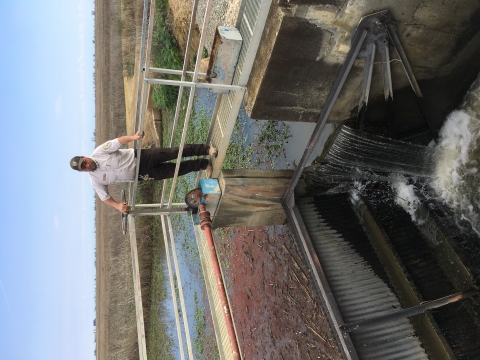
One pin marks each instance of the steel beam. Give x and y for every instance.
(195, 84)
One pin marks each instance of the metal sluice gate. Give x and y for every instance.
(369, 310)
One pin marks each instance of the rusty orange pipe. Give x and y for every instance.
(206, 226)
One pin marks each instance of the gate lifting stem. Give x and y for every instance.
(378, 31)
(415, 310)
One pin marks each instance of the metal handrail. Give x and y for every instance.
(172, 287)
(166, 207)
(175, 72)
(180, 90)
(190, 100)
(139, 118)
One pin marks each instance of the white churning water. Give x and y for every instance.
(451, 166)
(457, 179)
(407, 198)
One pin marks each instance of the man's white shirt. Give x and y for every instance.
(114, 165)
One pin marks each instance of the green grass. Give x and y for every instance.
(149, 231)
(204, 342)
(159, 343)
(165, 54)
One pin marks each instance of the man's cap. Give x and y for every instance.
(76, 163)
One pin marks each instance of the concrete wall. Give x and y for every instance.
(305, 44)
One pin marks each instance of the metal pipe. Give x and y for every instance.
(186, 328)
(172, 287)
(206, 226)
(194, 84)
(388, 88)
(142, 58)
(157, 211)
(182, 205)
(142, 103)
(392, 33)
(400, 314)
(366, 83)
(387, 74)
(142, 344)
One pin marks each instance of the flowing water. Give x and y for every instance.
(446, 171)
(359, 149)
(457, 179)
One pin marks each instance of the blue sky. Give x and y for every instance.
(47, 243)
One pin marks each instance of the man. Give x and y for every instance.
(109, 164)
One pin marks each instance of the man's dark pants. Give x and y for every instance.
(153, 161)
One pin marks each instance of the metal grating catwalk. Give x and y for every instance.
(357, 279)
(250, 23)
(454, 321)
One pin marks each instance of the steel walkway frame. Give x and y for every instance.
(251, 21)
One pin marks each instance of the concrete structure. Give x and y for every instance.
(306, 41)
(251, 197)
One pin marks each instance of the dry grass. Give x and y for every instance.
(178, 20)
(130, 20)
(116, 324)
(115, 41)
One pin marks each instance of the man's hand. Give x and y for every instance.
(138, 135)
(120, 206)
(124, 208)
(128, 138)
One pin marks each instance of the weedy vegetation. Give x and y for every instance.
(165, 54)
(265, 150)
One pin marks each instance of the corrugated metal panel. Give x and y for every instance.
(251, 22)
(359, 292)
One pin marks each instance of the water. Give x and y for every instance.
(354, 148)
(457, 180)
(300, 132)
(448, 167)
(447, 170)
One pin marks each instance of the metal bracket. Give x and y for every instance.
(375, 31)
(381, 33)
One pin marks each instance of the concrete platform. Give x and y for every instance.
(305, 43)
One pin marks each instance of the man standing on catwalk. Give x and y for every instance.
(109, 164)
